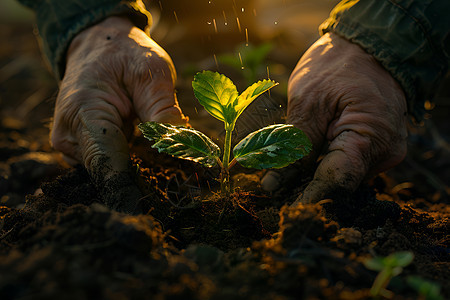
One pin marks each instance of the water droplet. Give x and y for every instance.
(246, 37)
(215, 25)
(242, 9)
(215, 60)
(238, 24)
(224, 17)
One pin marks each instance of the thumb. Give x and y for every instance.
(105, 151)
(341, 170)
(93, 136)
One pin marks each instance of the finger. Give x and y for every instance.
(340, 171)
(350, 159)
(311, 117)
(91, 132)
(288, 177)
(105, 151)
(158, 103)
(150, 82)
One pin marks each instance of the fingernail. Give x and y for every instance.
(271, 181)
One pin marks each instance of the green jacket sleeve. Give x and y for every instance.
(58, 22)
(410, 38)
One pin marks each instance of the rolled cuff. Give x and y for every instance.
(60, 21)
(403, 38)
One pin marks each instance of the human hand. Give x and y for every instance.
(349, 105)
(114, 73)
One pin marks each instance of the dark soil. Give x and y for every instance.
(58, 241)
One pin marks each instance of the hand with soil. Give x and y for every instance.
(354, 112)
(114, 73)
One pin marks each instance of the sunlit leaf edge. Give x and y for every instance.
(293, 153)
(213, 102)
(164, 142)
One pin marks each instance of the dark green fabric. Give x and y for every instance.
(410, 38)
(58, 22)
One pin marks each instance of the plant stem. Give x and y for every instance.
(381, 282)
(225, 176)
(232, 163)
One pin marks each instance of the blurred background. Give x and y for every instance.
(245, 39)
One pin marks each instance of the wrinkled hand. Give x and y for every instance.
(351, 108)
(114, 73)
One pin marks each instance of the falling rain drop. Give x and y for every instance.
(246, 37)
(215, 60)
(238, 24)
(215, 25)
(176, 17)
(225, 18)
(240, 59)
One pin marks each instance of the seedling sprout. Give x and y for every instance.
(274, 146)
(388, 267)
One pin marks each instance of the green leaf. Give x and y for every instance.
(375, 263)
(182, 142)
(251, 93)
(219, 95)
(153, 131)
(215, 92)
(394, 260)
(400, 259)
(274, 146)
(426, 288)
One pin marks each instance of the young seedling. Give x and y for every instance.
(426, 289)
(274, 146)
(388, 267)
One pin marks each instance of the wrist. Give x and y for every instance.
(108, 29)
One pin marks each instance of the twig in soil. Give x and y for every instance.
(6, 234)
(146, 196)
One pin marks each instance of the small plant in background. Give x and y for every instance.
(274, 146)
(249, 59)
(426, 289)
(388, 267)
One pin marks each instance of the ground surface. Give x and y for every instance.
(58, 241)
